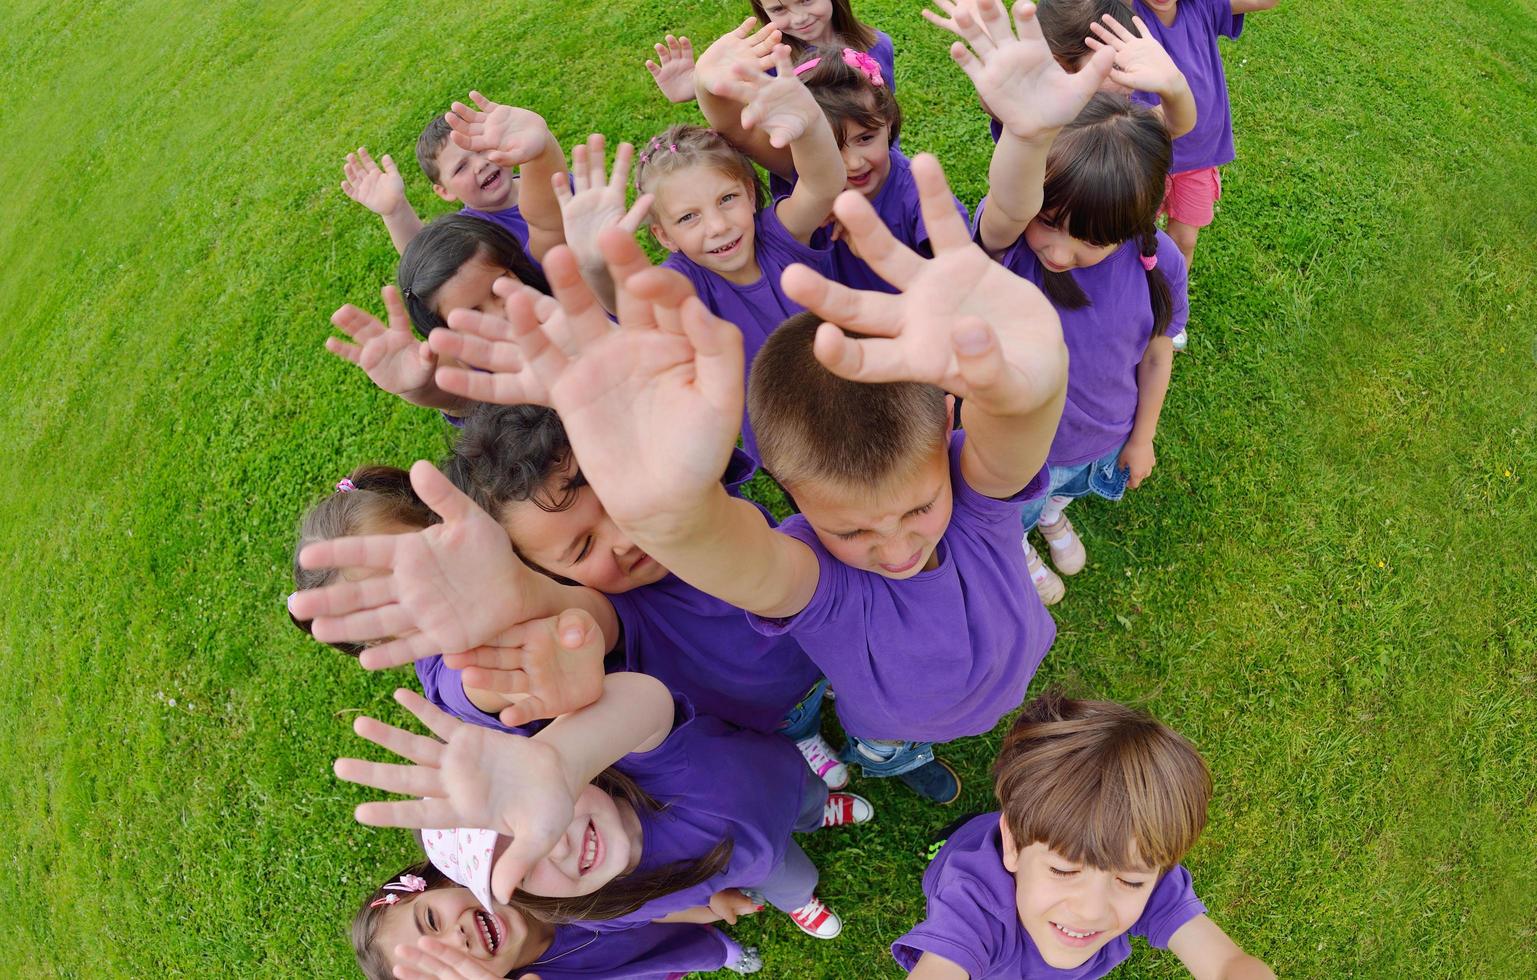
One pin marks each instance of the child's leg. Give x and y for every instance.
(912, 762)
(814, 795)
(803, 726)
(1190, 201)
(1185, 237)
(791, 885)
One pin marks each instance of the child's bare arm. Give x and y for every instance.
(1142, 64)
(536, 670)
(652, 410)
(1029, 93)
(673, 70)
(962, 322)
(455, 586)
(382, 191)
(1153, 373)
(783, 109)
(754, 51)
(932, 966)
(1209, 954)
(514, 137)
(593, 201)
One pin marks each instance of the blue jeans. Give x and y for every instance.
(805, 719)
(878, 757)
(1103, 477)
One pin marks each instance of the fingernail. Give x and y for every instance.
(971, 341)
(289, 602)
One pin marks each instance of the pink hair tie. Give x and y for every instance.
(806, 66)
(345, 486)
(407, 883)
(1149, 262)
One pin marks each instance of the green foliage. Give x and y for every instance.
(1328, 583)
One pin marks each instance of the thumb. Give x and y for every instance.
(513, 866)
(977, 354)
(438, 493)
(575, 628)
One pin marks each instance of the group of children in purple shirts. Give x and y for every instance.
(625, 659)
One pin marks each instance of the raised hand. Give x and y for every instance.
(780, 105)
(474, 777)
(962, 321)
(508, 135)
(593, 200)
(1141, 63)
(1013, 68)
(673, 70)
(552, 665)
(753, 49)
(380, 190)
(452, 587)
(391, 356)
(432, 959)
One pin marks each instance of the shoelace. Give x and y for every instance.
(811, 915)
(838, 810)
(816, 757)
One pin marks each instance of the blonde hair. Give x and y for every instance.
(1101, 783)
(679, 147)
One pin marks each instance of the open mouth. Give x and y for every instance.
(492, 179)
(1075, 937)
(492, 933)
(727, 249)
(592, 849)
(861, 180)
(904, 566)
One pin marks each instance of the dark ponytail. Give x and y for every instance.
(1157, 284)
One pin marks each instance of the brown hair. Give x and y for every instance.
(813, 425)
(846, 95)
(379, 496)
(680, 147)
(1104, 183)
(859, 34)
(621, 896)
(430, 144)
(1066, 23)
(1101, 783)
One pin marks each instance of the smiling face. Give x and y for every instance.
(1057, 250)
(1071, 909)
(810, 21)
(580, 543)
(470, 178)
(499, 941)
(602, 842)
(708, 216)
(866, 157)
(894, 529)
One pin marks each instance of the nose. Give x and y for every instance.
(1090, 904)
(851, 161)
(714, 222)
(895, 550)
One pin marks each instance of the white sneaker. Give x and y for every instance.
(817, 920)
(1181, 340)
(820, 757)
(1048, 585)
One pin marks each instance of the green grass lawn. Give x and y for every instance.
(1328, 583)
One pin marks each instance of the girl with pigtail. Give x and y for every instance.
(1073, 211)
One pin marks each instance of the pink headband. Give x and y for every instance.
(1149, 262)
(345, 486)
(857, 60)
(407, 883)
(464, 854)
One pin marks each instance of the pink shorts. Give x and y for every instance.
(1190, 197)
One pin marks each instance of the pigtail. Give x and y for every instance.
(1063, 290)
(1157, 284)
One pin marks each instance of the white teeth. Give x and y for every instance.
(1075, 935)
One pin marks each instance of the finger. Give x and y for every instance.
(653, 67)
(395, 308)
(596, 155)
(493, 389)
(662, 293)
(686, 48)
(389, 165)
(366, 551)
(718, 355)
(487, 326)
(391, 777)
(525, 711)
(500, 681)
(402, 650)
(367, 161)
(943, 23)
(620, 178)
(522, 853)
(419, 749)
(380, 622)
(1025, 23)
(488, 355)
(1136, 22)
(574, 627)
(978, 355)
(863, 311)
(744, 29)
(737, 90)
(636, 216)
(357, 323)
(481, 102)
(438, 721)
(344, 350)
(945, 227)
(1092, 74)
(782, 63)
(972, 26)
(370, 593)
(1119, 29)
(873, 240)
(584, 320)
(873, 359)
(1101, 35)
(578, 168)
(625, 260)
(420, 814)
(438, 492)
(444, 962)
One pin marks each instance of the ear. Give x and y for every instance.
(950, 423)
(444, 193)
(1010, 852)
(662, 238)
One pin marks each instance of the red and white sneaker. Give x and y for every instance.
(842, 809)
(820, 757)
(817, 920)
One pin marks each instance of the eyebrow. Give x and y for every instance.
(914, 511)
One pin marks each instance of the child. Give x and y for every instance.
(469, 156)
(422, 920)
(806, 26)
(605, 816)
(901, 577)
(1099, 804)
(1078, 221)
(862, 110)
(708, 205)
(1189, 32)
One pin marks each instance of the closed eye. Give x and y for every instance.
(586, 548)
(1064, 872)
(1132, 884)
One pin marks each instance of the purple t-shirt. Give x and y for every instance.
(757, 309)
(716, 782)
(1105, 342)
(974, 923)
(897, 204)
(940, 655)
(444, 687)
(1192, 42)
(509, 220)
(651, 951)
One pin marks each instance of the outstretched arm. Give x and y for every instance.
(783, 108)
(1209, 954)
(1142, 64)
(1026, 90)
(594, 201)
(754, 51)
(962, 322)
(536, 670)
(514, 137)
(652, 410)
(391, 356)
(452, 587)
(382, 191)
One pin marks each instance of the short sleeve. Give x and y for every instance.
(960, 927)
(1172, 262)
(990, 510)
(444, 687)
(834, 581)
(775, 235)
(1223, 21)
(1172, 904)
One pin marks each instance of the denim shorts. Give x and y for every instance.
(881, 758)
(1103, 477)
(805, 719)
